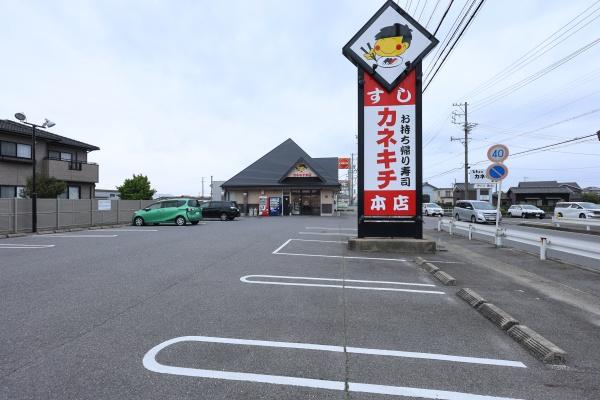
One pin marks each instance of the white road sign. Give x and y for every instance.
(479, 180)
(497, 153)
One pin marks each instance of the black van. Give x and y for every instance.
(225, 210)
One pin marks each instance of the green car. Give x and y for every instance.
(180, 211)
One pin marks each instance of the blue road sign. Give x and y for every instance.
(496, 172)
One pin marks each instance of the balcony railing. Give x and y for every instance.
(70, 170)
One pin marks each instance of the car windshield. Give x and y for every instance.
(483, 205)
(529, 207)
(432, 205)
(593, 206)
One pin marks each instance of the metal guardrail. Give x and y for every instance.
(544, 242)
(587, 222)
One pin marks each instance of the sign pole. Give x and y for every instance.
(499, 186)
(361, 165)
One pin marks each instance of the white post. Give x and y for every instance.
(16, 220)
(543, 244)
(470, 232)
(450, 226)
(498, 237)
(440, 224)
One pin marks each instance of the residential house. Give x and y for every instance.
(543, 193)
(56, 156)
(429, 193)
(445, 196)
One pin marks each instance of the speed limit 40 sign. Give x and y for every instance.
(497, 153)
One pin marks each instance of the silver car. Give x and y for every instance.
(525, 211)
(474, 211)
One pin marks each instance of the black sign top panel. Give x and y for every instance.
(389, 45)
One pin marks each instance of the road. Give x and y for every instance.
(273, 308)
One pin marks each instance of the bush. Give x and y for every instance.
(136, 188)
(46, 187)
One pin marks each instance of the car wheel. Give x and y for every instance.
(180, 221)
(540, 216)
(427, 213)
(456, 217)
(559, 215)
(473, 219)
(155, 224)
(582, 216)
(138, 221)
(509, 215)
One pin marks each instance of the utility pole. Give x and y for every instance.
(211, 187)
(351, 179)
(467, 127)
(202, 195)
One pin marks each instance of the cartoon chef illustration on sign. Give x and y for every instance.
(390, 43)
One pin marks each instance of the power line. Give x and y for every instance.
(443, 17)
(532, 78)
(437, 3)
(444, 43)
(530, 151)
(455, 43)
(534, 52)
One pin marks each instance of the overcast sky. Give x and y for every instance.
(178, 90)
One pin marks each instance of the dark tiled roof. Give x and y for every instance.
(538, 184)
(25, 130)
(269, 170)
(539, 190)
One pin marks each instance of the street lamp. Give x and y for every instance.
(47, 124)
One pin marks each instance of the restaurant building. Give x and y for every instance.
(286, 181)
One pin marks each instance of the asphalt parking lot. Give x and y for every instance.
(273, 308)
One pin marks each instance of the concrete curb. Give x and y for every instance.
(75, 229)
(59, 230)
(45, 232)
(537, 345)
(93, 228)
(419, 260)
(472, 297)
(15, 235)
(445, 278)
(429, 267)
(498, 316)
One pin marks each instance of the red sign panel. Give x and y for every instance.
(343, 163)
(389, 149)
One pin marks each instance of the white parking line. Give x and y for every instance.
(327, 233)
(330, 229)
(25, 246)
(246, 278)
(278, 252)
(76, 236)
(320, 241)
(129, 230)
(150, 363)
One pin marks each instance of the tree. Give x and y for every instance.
(136, 188)
(46, 187)
(591, 197)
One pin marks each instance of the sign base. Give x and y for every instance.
(390, 228)
(404, 245)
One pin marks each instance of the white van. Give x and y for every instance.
(577, 209)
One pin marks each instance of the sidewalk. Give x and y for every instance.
(559, 301)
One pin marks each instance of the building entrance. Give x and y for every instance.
(306, 202)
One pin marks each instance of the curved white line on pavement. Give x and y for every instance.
(150, 363)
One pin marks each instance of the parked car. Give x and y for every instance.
(179, 211)
(577, 210)
(474, 211)
(432, 209)
(525, 211)
(225, 210)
